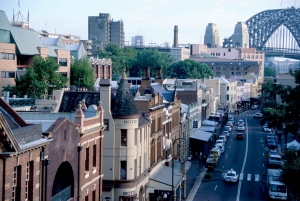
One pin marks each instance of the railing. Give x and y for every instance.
(19, 102)
(63, 195)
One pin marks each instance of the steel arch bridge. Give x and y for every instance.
(276, 32)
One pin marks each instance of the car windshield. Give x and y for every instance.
(241, 126)
(278, 188)
(230, 174)
(271, 141)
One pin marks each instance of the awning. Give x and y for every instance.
(209, 123)
(210, 129)
(201, 135)
(162, 179)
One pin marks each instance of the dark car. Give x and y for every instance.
(239, 136)
(272, 144)
(268, 138)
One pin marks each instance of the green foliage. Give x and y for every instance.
(290, 171)
(188, 69)
(12, 90)
(82, 73)
(270, 72)
(41, 79)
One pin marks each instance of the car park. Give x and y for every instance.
(241, 127)
(258, 115)
(266, 129)
(231, 176)
(241, 121)
(222, 137)
(272, 144)
(239, 136)
(226, 133)
(227, 128)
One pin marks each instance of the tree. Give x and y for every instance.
(270, 72)
(290, 171)
(41, 78)
(188, 69)
(150, 58)
(82, 73)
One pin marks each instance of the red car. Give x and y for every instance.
(239, 136)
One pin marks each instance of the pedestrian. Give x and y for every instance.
(165, 196)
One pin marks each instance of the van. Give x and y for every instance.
(275, 160)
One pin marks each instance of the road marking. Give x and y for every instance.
(249, 177)
(241, 176)
(229, 147)
(216, 187)
(244, 163)
(263, 154)
(263, 165)
(256, 177)
(223, 166)
(226, 155)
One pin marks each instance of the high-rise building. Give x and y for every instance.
(103, 30)
(138, 41)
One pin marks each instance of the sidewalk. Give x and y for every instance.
(194, 177)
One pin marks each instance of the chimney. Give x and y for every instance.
(158, 75)
(146, 81)
(175, 44)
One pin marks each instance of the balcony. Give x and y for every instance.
(63, 195)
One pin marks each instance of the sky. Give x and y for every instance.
(154, 19)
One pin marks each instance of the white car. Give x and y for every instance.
(241, 128)
(258, 115)
(254, 107)
(226, 133)
(227, 128)
(231, 176)
(222, 137)
(266, 129)
(241, 121)
(221, 147)
(220, 142)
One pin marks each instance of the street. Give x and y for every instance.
(246, 157)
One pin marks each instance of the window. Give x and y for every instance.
(218, 68)
(87, 158)
(212, 68)
(227, 97)
(7, 56)
(29, 181)
(227, 88)
(141, 135)
(7, 74)
(230, 63)
(238, 73)
(224, 54)
(106, 123)
(212, 64)
(224, 68)
(65, 134)
(217, 63)
(239, 64)
(94, 155)
(225, 63)
(64, 74)
(238, 68)
(123, 137)
(231, 68)
(123, 169)
(16, 185)
(232, 73)
(217, 73)
(63, 62)
(94, 196)
(245, 68)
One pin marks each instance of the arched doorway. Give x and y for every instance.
(64, 180)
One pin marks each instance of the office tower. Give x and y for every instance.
(138, 41)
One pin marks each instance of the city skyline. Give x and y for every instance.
(153, 19)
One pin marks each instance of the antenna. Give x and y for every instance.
(19, 4)
(46, 25)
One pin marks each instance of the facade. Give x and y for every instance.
(229, 67)
(138, 41)
(102, 69)
(212, 36)
(66, 38)
(254, 85)
(76, 50)
(102, 30)
(20, 46)
(180, 53)
(88, 47)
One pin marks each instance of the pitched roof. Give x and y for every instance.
(4, 23)
(168, 95)
(143, 121)
(124, 103)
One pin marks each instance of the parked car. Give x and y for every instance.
(231, 119)
(220, 142)
(275, 160)
(254, 107)
(229, 123)
(258, 115)
(241, 121)
(265, 125)
(227, 128)
(231, 176)
(268, 138)
(272, 144)
(221, 147)
(241, 127)
(266, 129)
(222, 137)
(239, 136)
(226, 133)
(273, 152)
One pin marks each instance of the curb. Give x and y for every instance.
(197, 184)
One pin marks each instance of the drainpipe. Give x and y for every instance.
(3, 181)
(79, 148)
(47, 162)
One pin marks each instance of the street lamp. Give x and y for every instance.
(182, 159)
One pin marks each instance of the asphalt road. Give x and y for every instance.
(246, 157)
